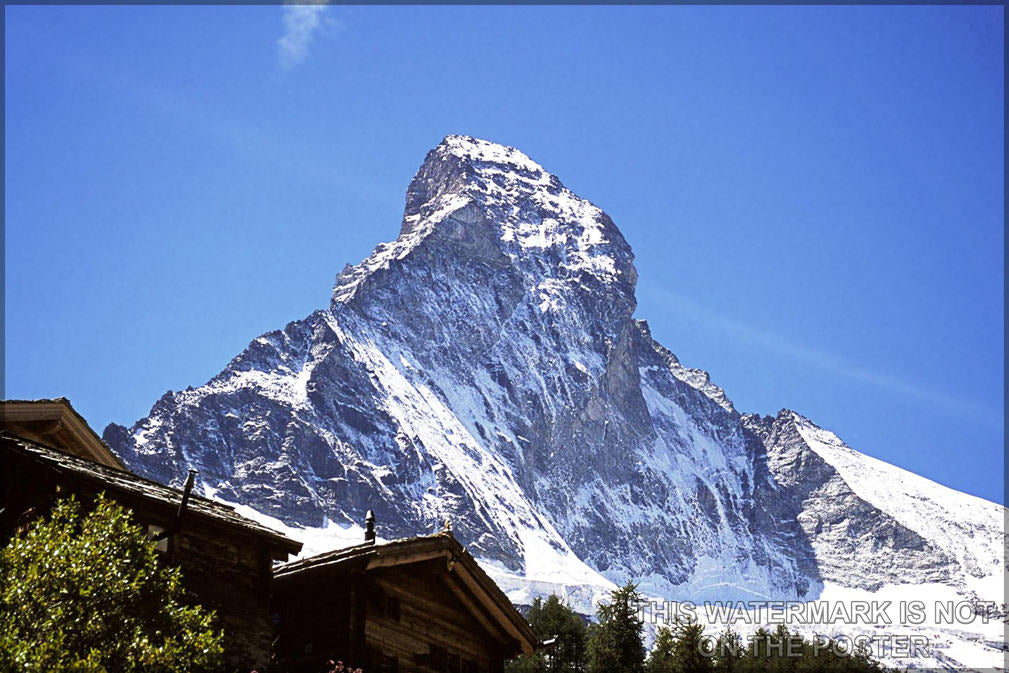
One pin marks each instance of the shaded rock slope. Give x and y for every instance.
(485, 367)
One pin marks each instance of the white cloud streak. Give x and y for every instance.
(824, 361)
(301, 23)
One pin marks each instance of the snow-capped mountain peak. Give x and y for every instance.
(486, 367)
(492, 203)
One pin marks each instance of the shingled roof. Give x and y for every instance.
(56, 422)
(112, 479)
(443, 545)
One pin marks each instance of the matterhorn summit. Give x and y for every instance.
(486, 368)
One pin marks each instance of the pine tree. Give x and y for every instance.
(729, 649)
(614, 642)
(680, 650)
(660, 659)
(551, 618)
(784, 650)
(554, 619)
(759, 645)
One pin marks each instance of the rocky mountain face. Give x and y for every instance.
(486, 368)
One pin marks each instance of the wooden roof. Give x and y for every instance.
(472, 586)
(55, 422)
(118, 480)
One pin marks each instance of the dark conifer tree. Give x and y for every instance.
(729, 650)
(614, 642)
(660, 659)
(680, 650)
(552, 619)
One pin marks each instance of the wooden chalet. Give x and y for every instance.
(416, 605)
(56, 423)
(47, 451)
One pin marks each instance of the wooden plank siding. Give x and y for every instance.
(429, 614)
(407, 606)
(313, 622)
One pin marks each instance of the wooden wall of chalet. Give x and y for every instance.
(414, 618)
(222, 570)
(390, 620)
(314, 624)
(231, 576)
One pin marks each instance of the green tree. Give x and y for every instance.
(661, 657)
(729, 649)
(680, 650)
(527, 663)
(759, 647)
(614, 641)
(85, 593)
(785, 650)
(551, 618)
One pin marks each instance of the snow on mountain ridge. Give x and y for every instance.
(486, 367)
(940, 514)
(698, 378)
(531, 209)
(485, 151)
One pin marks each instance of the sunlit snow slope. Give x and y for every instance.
(486, 367)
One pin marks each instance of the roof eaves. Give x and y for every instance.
(150, 489)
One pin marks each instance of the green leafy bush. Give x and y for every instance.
(85, 593)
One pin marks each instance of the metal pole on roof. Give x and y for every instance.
(369, 527)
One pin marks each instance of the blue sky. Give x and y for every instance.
(814, 195)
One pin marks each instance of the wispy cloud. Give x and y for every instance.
(301, 23)
(827, 362)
